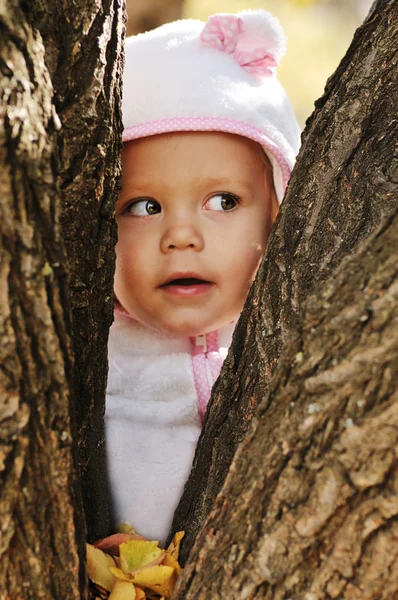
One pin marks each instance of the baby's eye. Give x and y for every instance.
(222, 202)
(143, 208)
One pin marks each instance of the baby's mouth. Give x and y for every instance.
(185, 281)
(186, 287)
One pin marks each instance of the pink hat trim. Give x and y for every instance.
(174, 124)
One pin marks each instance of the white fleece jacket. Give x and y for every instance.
(152, 420)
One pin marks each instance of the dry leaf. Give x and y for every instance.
(143, 572)
(120, 574)
(174, 547)
(122, 590)
(170, 561)
(111, 543)
(96, 592)
(139, 554)
(125, 528)
(160, 579)
(98, 564)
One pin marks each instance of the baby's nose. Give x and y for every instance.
(180, 237)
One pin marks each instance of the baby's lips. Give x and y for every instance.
(178, 276)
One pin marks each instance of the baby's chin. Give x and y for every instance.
(193, 328)
(182, 330)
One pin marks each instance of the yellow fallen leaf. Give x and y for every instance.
(140, 594)
(122, 590)
(160, 579)
(98, 564)
(111, 543)
(170, 561)
(125, 528)
(137, 554)
(119, 574)
(174, 547)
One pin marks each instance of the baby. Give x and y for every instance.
(209, 144)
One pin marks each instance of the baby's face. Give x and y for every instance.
(193, 217)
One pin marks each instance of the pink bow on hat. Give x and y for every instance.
(222, 32)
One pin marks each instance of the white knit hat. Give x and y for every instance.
(218, 76)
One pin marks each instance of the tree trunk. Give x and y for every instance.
(40, 504)
(78, 53)
(309, 508)
(344, 182)
(86, 71)
(312, 514)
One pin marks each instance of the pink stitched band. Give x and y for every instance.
(175, 124)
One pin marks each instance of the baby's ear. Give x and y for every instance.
(274, 206)
(262, 30)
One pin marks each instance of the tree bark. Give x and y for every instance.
(86, 70)
(343, 183)
(48, 318)
(41, 524)
(309, 508)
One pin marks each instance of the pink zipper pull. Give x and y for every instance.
(200, 340)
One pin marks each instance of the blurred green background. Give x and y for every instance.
(318, 33)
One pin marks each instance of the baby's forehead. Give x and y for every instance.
(197, 149)
(203, 161)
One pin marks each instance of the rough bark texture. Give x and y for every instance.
(344, 182)
(78, 54)
(144, 15)
(41, 517)
(309, 508)
(84, 55)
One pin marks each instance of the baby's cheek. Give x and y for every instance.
(241, 280)
(249, 269)
(253, 255)
(124, 275)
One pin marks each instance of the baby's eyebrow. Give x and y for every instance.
(136, 187)
(222, 183)
(227, 182)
